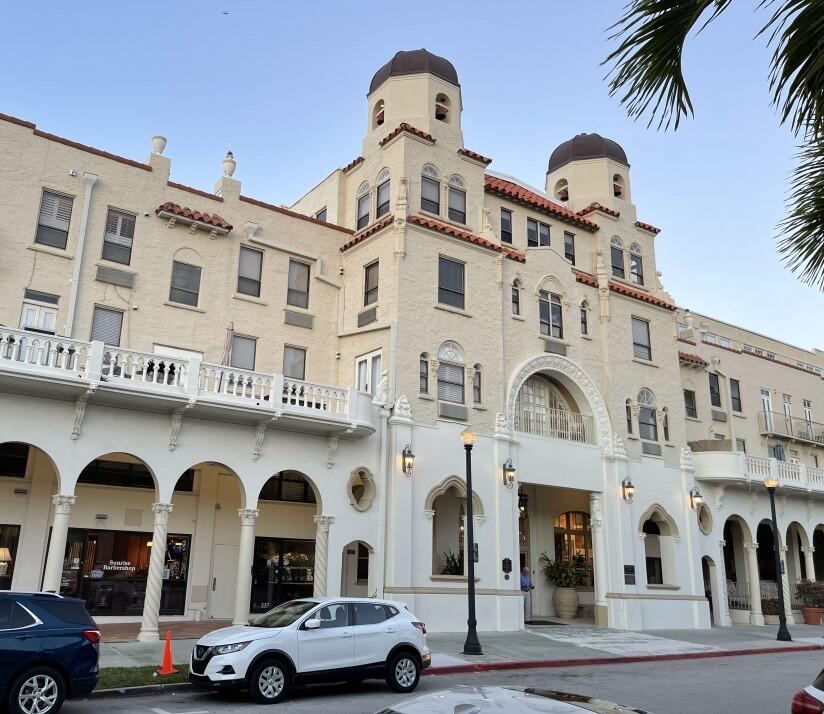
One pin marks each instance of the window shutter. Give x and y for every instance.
(106, 326)
(450, 383)
(451, 275)
(120, 228)
(55, 211)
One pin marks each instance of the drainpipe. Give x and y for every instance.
(90, 180)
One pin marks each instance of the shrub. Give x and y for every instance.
(811, 593)
(561, 573)
(453, 563)
(769, 606)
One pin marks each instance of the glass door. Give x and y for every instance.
(282, 570)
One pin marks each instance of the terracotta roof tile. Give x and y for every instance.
(294, 214)
(352, 164)
(370, 230)
(692, 360)
(211, 219)
(595, 206)
(586, 278)
(516, 192)
(406, 128)
(647, 227)
(446, 229)
(639, 295)
(475, 156)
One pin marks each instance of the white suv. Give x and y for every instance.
(315, 639)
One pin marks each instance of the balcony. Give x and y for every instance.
(556, 424)
(735, 468)
(792, 428)
(61, 368)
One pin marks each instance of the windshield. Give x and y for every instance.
(284, 614)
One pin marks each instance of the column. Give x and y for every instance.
(57, 545)
(321, 553)
(599, 558)
(243, 586)
(756, 618)
(786, 585)
(809, 562)
(154, 579)
(722, 608)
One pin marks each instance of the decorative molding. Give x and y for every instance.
(479, 519)
(460, 487)
(619, 451)
(501, 425)
(63, 503)
(323, 522)
(720, 492)
(176, 422)
(161, 511)
(79, 414)
(429, 514)
(686, 458)
(332, 441)
(382, 391)
(666, 518)
(248, 516)
(402, 409)
(596, 517)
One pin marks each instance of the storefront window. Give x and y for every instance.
(282, 570)
(108, 569)
(573, 542)
(9, 535)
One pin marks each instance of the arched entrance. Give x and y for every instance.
(712, 591)
(766, 562)
(659, 530)
(797, 562)
(357, 571)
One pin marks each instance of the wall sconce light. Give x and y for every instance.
(523, 501)
(627, 490)
(509, 474)
(696, 499)
(407, 459)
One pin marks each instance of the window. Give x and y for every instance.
(550, 314)
(569, 247)
(641, 347)
(249, 270)
(690, 408)
(106, 324)
(715, 390)
(450, 282)
(9, 537)
(185, 287)
(457, 200)
(476, 384)
(665, 423)
(119, 236)
(367, 613)
(628, 411)
(776, 451)
(370, 283)
(636, 265)
(652, 548)
(573, 543)
(321, 214)
(430, 195)
(516, 300)
(647, 416)
(617, 257)
(451, 373)
(423, 372)
(537, 234)
(506, 226)
(335, 615)
(735, 395)
(741, 445)
(14, 458)
(36, 316)
(383, 194)
(368, 372)
(363, 206)
(584, 320)
(53, 224)
(243, 352)
(297, 293)
(294, 362)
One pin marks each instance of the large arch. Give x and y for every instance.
(575, 379)
(125, 457)
(40, 451)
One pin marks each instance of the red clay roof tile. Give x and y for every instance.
(639, 295)
(647, 227)
(595, 206)
(369, 230)
(446, 229)
(211, 219)
(352, 164)
(692, 359)
(475, 156)
(409, 129)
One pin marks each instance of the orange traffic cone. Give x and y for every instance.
(166, 667)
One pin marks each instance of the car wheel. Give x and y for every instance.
(403, 673)
(39, 691)
(269, 681)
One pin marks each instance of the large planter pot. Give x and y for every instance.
(812, 615)
(565, 601)
(770, 619)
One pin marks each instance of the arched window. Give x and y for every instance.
(542, 409)
(363, 205)
(447, 533)
(423, 387)
(652, 551)
(584, 317)
(430, 189)
(573, 543)
(647, 416)
(562, 190)
(665, 423)
(451, 373)
(377, 114)
(616, 252)
(442, 106)
(383, 193)
(618, 186)
(628, 410)
(457, 199)
(516, 297)
(636, 264)
(476, 384)
(659, 531)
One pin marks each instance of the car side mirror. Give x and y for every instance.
(312, 624)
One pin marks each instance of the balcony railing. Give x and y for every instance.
(777, 424)
(556, 423)
(732, 466)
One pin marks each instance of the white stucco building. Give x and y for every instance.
(239, 381)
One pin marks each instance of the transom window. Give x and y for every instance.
(616, 252)
(430, 189)
(636, 265)
(550, 314)
(383, 194)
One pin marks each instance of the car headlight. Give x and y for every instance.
(229, 649)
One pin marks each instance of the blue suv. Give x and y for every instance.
(49, 647)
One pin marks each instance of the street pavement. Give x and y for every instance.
(755, 684)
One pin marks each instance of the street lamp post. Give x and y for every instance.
(472, 646)
(783, 632)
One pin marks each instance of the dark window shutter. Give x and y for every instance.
(106, 326)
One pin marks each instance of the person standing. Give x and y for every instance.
(526, 588)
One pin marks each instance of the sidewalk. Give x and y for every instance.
(543, 645)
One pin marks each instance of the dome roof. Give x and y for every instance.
(415, 62)
(586, 146)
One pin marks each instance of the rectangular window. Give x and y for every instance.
(423, 373)
(363, 211)
(53, 224)
(476, 386)
(451, 382)
(294, 362)
(636, 269)
(383, 199)
(506, 226)
(38, 317)
(690, 408)
(628, 410)
(297, 293)
(741, 445)
(249, 270)
(516, 300)
(243, 352)
(617, 257)
(735, 395)
(537, 234)
(119, 236)
(584, 321)
(106, 324)
(430, 195)
(450, 282)
(370, 283)
(715, 390)
(569, 247)
(457, 205)
(368, 372)
(185, 287)
(647, 424)
(321, 214)
(641, 346)
(550, 314)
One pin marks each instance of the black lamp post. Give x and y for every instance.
(783, 632)
(472, 646)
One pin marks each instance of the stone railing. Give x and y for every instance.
(732, 466)
(556, 423)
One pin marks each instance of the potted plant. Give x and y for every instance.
(811, 593)
(564, 576)
(769, 608)
(453, 563)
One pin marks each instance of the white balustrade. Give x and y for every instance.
(33, 350)
(143, 368)
(788, 472)
(307, 395)
(757, 467)
(815, 478)
(556, 423)
(236, 384)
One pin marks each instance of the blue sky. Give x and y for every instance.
(283, 85)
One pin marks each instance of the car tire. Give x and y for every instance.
(269, 681)
(40, 689)
(403, 672)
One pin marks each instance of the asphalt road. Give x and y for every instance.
(757, 684)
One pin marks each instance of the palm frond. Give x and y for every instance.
(801, 243)
(646, 66)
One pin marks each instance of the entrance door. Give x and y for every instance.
(224, 577)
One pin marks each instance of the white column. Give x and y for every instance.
(321, 553)
(599, 558)
(756, 618)
(57, 545)
(809, 562)
(786, 585)
(243, 586)
(154, 579)
(722, 607)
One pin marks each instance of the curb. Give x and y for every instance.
(141, 691)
